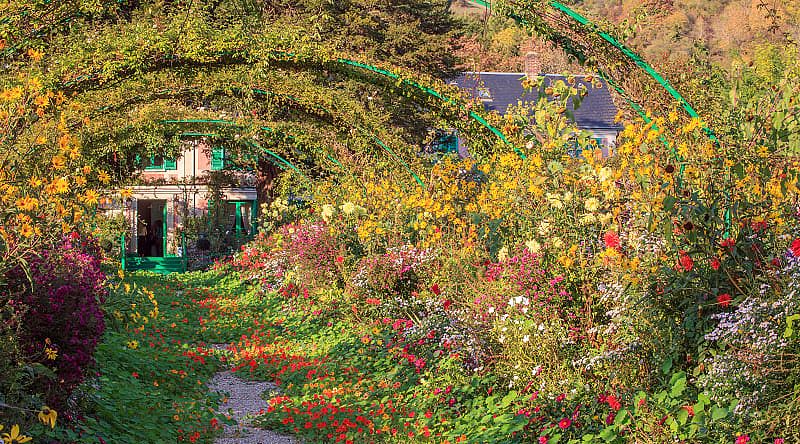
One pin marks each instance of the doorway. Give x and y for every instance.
(151, 227)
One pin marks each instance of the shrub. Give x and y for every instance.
(58, 316)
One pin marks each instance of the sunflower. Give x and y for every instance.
(15, 437)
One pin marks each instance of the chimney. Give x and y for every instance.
(533, 64)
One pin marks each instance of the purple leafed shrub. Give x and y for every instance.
(60, 310)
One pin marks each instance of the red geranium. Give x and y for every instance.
(611, 239)
(685, 262)
(796, 248)
(724, 299)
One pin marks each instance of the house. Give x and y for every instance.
(499, 90)
(175, 198)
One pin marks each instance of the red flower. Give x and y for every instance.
(613, 403)
(715, 263)
(728, 242)
(543, 440)
(339, 259)
(685, 262)
(796, 248)
(135, 375)
(689, 409)
(611, 240)
(743, 439)
(724, 299)
(564, 423)
(435, 289)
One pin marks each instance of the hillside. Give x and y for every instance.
(663, 31)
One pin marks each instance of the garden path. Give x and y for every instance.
(243, 402)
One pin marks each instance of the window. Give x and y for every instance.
(217, 158)
(157, 163)
(446, 144)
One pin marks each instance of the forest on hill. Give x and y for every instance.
(723, 32)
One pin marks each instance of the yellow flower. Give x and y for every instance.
(61, 185)
(133, 345)
(80, 181)
(26, 230)
(125, 193)
(15, 437)
(35, 55)
(48, 416)
(103, 177)
(41, 100)
(27, 203)
(51, 353)
(90, 197)
(87, 169)
(59, 162)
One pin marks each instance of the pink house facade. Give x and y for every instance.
(174, 197)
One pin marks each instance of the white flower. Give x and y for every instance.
(348, 208)
(588, 219)
(592, 204)
(526, 338)
(502, 254)
(605, 174)
(544, 228)
(328, 211)
(533, 246)
(555, 200)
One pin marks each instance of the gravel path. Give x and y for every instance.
(244, 401)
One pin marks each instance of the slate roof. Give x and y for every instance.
(596, 111)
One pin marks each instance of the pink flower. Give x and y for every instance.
(564, 423)
(543, 440)
(743, 439)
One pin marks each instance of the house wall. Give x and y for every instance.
(189, 200)
(184, 193)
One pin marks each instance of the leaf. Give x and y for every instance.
(678, 387)
(718, 413)
(666, 366)
(789, 325)
(508, 399)
(682, 416)
(669, 203)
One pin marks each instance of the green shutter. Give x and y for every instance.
(170, 164)
(217, 158)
